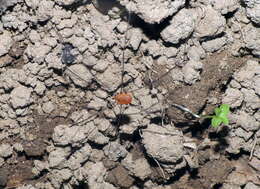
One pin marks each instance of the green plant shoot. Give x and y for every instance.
(220, 116)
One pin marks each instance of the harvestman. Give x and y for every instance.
(123, 97)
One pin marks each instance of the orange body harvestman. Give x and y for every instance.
(123, 98)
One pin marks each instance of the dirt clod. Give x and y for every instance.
(120, 177)
(34, 148)
(3, 177)
(215, 172)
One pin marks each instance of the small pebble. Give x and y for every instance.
(6, 150)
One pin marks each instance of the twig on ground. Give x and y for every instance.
(163, 174)
(160, 168)
(253, 147)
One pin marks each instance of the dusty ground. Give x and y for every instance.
(61, 64)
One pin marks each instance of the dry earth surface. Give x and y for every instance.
(62, 62)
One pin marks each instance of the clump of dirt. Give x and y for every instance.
(61, 63)
(119, 176)
(19, 172)
(214, 172)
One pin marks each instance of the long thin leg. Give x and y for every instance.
(123, 64)
(124, 48)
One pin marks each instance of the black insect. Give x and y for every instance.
(67, 56)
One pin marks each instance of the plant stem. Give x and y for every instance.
(206, 116)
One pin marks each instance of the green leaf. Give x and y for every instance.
(220, 115)
(225, 120)
(225, 108)
(216, 121)
(217, 111)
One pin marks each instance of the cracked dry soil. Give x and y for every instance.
(61, 65)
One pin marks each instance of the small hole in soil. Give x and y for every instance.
(41, 175)
(223, 87)
(217, 186)
(243, 4)
(82, 185)
(58, 72)
(229, 15)
(178, 174)
(121, 119)
(136, 136)
(238, 156)
(152, 31)
(138, 182)
(157, 120)
(187, 4)
(33, 157)
(9, 8)
(43, 23)
(125, 137)
(194, 173)
(96, 146)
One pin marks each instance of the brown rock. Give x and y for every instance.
(35, 148)
(120, 177)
